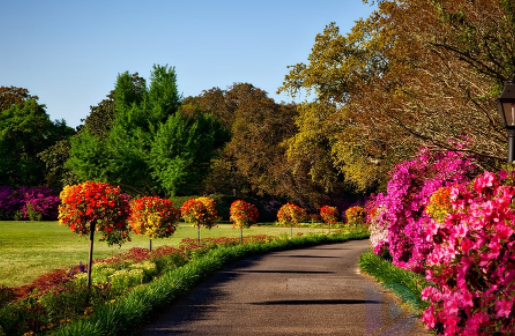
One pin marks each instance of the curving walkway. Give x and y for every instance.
(311, 291)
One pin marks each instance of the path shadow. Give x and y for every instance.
(314, 302)
(307, 256)
(286, 272)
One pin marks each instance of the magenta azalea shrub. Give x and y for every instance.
(42, 200)
(408, 192)
(472, 261)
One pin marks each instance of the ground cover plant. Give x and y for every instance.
(386, 273)
(54, 305)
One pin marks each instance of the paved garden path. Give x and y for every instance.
(311, 291)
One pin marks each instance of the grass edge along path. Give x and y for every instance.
(402, 283)
(127, 314)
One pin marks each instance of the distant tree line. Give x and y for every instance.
(414, 72)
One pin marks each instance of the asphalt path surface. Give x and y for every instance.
(310, 291)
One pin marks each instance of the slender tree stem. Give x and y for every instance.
(90, 264)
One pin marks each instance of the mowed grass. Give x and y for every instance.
(30, 249)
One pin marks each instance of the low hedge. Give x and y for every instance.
(126, 314)
(411, 284)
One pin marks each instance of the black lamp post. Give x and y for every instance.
(506, 103)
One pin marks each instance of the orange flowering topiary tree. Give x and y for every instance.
(154, 217)
(212, 214)
(95, 206)
(291, 214)
(243, 215)
(329, 214)
(200, 212)
(356, 215)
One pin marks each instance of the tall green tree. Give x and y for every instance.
(141, 138)
(25, 131)
(182, 150)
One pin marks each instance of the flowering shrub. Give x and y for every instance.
(153, 217)
(96, 203)
(291, 214)
(212, 214)
(329, 214)
(408, 193)
(378, 232)
(473, 260)
(355, 215)
(42, 202)
(243, 214)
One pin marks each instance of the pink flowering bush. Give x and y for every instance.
(472, 261)
(408, 192)
(42, 201)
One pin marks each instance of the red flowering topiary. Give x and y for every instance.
(194, 212)
(211, 213)
(356, 215)
(99, 204)
(291, 214)
(329, 214)
(153, 217)
(243, 214)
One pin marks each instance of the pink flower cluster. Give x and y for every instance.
(472, 261)
(409, 189)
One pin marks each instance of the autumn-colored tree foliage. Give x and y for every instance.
(154, 217)
(414, 72)
(254, 161)
(11, 96)
(96, 203)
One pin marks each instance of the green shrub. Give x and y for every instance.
(18, 216)
(148, 268)
(67, 303)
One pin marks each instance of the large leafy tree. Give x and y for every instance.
(254, 162)
(25, 131)
(141, 138)
(414, 72)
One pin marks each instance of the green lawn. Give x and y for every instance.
(29, 249)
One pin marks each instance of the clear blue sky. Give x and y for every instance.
(69, 52)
